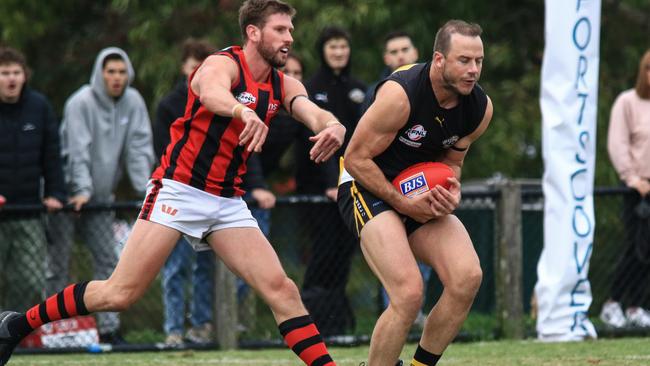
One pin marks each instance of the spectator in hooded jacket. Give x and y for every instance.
(332, 88)
(105, 130)
(30, 163)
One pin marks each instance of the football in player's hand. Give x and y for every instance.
(422, 177)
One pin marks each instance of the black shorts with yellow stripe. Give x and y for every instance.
(358, 206)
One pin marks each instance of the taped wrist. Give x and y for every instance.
(239, 109)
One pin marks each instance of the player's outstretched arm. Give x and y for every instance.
(330, 133)
(211, 83)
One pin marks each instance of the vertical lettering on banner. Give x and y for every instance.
(568, 101)
(582, 220)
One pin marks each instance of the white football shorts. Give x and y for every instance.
(193, 212)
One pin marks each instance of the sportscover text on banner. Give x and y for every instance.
(569, 94)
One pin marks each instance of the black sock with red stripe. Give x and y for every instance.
(302, 336)
(65, 304)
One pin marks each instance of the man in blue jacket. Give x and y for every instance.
(30, 163)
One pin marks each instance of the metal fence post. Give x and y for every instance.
(508, 261)
(225, 306)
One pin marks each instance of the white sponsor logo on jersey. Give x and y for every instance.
(416, 132)
(246, 98)
(273, 107)
(447, 143)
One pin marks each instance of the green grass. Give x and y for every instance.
(607, 352)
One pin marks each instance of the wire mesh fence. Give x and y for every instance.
(337, 286)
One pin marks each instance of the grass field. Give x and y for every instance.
(607, 352)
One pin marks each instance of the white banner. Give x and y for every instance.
(569, 95)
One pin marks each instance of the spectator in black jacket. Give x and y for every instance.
(334, 89)
(183, 264)
(30, 163)
(398, 51)
(283, 129)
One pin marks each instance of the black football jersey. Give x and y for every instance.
(430, 129)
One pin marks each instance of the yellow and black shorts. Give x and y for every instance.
(358, 206)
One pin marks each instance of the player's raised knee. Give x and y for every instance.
(466, 283)
(282, 287)
(407, 299)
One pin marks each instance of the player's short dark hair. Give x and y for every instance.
(642, 85)
(198, 49)
(10, 55)
(331, 32)
(395, 34)
(443, 36)
(256, 12)
(112, 57)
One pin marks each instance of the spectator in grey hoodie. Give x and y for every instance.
(105, 129)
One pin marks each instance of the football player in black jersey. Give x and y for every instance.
(422, 112)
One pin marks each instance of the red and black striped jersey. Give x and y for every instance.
(204, 150)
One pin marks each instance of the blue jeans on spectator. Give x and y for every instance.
(183, 265)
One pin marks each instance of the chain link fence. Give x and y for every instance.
(339, 289)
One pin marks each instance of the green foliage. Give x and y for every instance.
(61, 39)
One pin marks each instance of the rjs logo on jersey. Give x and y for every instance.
(414, 185)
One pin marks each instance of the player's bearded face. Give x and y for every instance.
(459, 79)
(275, 56)
(452, 81)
